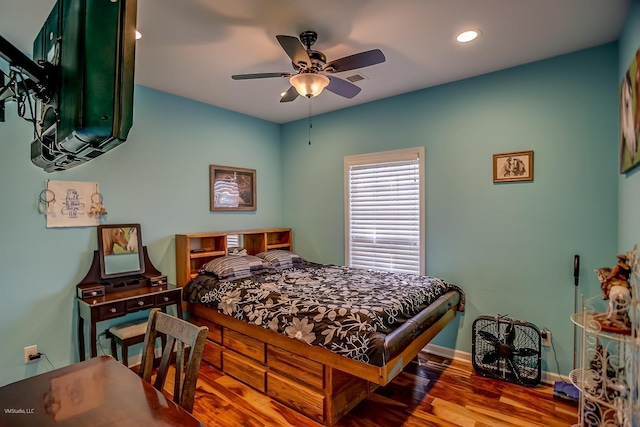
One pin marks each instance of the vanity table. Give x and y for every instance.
(99, 300)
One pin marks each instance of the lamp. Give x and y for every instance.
(309, 84)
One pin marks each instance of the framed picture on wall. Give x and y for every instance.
(630, 116)
(516, 166)
(69, 203)
(232, 189)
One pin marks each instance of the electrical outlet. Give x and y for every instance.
(30, 351)
(545, 337)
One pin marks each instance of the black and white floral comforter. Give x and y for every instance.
(346, 310)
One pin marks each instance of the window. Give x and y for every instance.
(233, 241)
(384, 210)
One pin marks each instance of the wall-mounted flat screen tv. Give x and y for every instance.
(89, 45)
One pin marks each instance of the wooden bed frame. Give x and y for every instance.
(314, 381)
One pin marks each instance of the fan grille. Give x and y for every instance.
(507, 349)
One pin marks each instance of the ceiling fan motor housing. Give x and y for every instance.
(318, 59)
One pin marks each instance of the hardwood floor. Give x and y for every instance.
(434, 392)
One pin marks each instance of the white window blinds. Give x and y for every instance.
(233, 240)
(384, 211)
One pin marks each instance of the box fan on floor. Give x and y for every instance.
(507, 349)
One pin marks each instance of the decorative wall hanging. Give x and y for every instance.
(97, 208)
(232, 189)
(630, 116)
(46, 199)
(516, 166)
(70, 204)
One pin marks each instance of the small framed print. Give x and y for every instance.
(232, 189)
(510, 167)
(630, 117)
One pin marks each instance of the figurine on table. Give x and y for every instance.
(617, 290)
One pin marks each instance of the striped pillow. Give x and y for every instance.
(279, 259)
(235, 267)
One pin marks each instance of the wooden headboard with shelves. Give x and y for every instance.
(196, 249)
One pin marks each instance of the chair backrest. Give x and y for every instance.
(188, 340)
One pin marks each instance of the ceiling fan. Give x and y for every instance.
(310, 65)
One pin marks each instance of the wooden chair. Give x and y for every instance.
(188, 340)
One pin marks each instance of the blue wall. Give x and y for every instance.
(159, 178)
(629, 184)
(510, 246)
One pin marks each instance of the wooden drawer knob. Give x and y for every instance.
(113, 310)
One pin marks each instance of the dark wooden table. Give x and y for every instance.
(97, 392)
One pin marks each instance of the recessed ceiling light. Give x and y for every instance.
(138, 35)
(467, 36)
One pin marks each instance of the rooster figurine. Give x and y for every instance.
(616, 288)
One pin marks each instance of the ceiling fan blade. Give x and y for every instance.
(289, 95)
(259, 76)
(342, 87)
(358, 60)
(295, 50)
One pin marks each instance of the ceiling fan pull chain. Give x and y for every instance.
(310, 124)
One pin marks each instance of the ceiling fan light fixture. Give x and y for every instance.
(309, 84)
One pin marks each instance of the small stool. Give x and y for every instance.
(126, 334)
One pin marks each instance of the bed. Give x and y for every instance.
(318, 338)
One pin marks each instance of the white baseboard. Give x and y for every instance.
(449, 353)
(547, 377)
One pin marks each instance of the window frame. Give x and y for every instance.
(387, 157)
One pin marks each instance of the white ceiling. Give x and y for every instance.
(192, 47)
